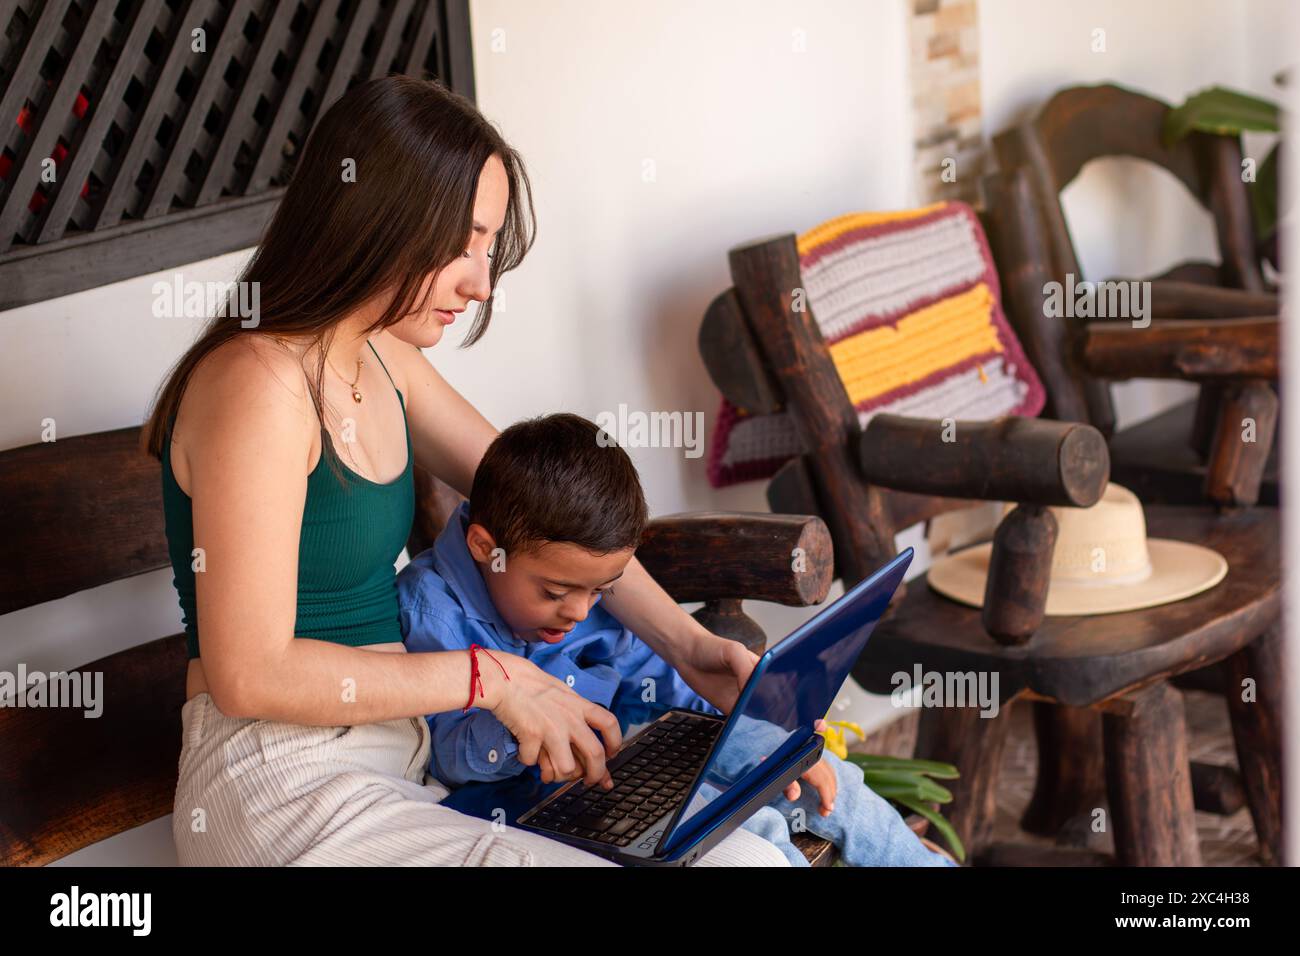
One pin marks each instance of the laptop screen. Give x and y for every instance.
(803, 674)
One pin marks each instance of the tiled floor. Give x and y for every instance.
(1225, 841)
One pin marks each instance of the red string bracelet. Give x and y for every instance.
(474, 679)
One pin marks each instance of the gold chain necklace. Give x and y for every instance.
(356, 392)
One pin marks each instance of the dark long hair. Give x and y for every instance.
(334, 245)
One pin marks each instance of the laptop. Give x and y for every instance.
(687, 779)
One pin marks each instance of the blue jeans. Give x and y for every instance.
(865, 828)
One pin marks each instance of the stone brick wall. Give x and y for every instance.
(945, 77)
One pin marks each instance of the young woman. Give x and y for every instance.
(287, 450)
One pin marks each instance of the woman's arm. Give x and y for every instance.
(448, 434)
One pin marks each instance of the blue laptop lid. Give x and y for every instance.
(793, 685)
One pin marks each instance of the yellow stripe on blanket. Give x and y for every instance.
(876, 361)
(832, 229)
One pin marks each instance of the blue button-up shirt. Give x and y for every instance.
(444, 606)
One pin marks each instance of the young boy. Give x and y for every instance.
(553, 518)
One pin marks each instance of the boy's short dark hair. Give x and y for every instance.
(550, 479)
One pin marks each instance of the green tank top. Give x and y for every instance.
(351, 536)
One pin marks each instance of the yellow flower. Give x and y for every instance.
(837, 740)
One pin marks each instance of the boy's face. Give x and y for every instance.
(542, 593)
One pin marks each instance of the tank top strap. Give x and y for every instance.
(382, 365)
(312, 402)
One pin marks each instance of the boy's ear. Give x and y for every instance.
(480, 542)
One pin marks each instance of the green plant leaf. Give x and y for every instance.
(1223, 111)
(931, 768)
(1263, 195)
(943, 826)
(893, 775)
(923, 789)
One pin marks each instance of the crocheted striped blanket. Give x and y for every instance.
(909, 305)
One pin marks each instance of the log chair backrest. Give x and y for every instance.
(1031, 239)
(766, 356)
(1083, 123)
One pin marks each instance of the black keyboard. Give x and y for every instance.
(651, 778)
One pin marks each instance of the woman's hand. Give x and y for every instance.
(554, 725)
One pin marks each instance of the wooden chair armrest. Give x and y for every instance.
(1196, 350)
(1036, 462)
(714, 555)
(1032, 461)
(1191, 300)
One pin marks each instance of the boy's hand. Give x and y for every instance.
(821, 776)
(715, 667)
(792, 791)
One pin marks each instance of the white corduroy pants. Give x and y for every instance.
(265, 793)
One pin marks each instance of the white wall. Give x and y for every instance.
(747, 137)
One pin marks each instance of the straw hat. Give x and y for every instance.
(1103, 562)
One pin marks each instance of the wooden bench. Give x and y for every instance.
(85, 511)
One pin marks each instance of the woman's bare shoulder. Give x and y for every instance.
(247, 389)
(244, 372)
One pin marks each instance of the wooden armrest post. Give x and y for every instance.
(726, 618)
(1015, 592)
(1243, 437)
(722, 557)
(768, 284)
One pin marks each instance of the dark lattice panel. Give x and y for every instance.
(180, 154)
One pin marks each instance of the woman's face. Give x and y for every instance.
(465, 278)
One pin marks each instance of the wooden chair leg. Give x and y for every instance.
(1235, 468)
(1257, 731)
(1149, 781)
(1205, 422)
(974, 744)
(1071, 777)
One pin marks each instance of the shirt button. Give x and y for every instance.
(569, 680)
(492, 756)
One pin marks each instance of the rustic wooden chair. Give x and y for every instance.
(1226, 333)
(766, 355)
(1192, 454)
(85, 511)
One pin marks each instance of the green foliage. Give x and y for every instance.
(1225, 112)
(910, 783)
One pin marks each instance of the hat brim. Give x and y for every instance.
(1179, 570)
